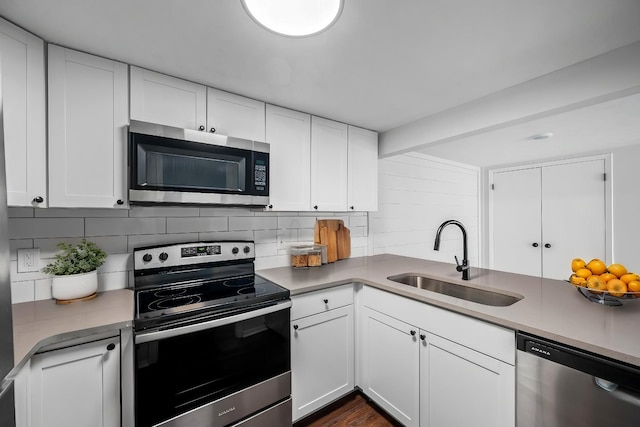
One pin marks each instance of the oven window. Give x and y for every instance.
(164, 164)
(181, 373)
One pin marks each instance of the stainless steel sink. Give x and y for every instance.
(481, 296)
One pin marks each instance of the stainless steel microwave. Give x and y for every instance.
(171, 165)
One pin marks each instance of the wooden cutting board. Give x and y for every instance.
(343, 242)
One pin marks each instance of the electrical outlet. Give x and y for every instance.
(28, 260)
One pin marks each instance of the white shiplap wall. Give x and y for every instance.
(416, 194)
(119, 231)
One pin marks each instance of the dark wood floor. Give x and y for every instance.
(354, 410)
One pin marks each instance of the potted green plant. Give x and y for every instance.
(75, 271)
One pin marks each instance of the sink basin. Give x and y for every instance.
(481, 296)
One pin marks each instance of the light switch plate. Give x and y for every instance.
(28, 260)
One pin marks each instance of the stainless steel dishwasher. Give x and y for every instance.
(561, 386)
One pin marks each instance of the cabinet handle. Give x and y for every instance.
(111, 346)
(201, 128)
(535, 245)
(120, 202)
(351, 207)
(547, 245)
(38, 199)
(315, 207)
(413, 333)
(295, 327)
(423, 337)
(212, 130)
(326, 301)
(270, 206)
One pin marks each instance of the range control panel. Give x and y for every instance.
(191, 254)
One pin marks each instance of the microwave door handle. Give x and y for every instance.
(197, 327)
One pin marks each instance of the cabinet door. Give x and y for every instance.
(88, 113)
(289, 138)
(391, 365)
(573, 215)
(77, 386)
(233, 115)
(362, 170)
(22, 396)
(166, 100)
(461, 387)
(328, 165)
(322, 364)
(516, 246)
(23, 105)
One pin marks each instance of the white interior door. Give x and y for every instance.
(516, 217)
(573, 215)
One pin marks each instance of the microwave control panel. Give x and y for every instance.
(260, 172)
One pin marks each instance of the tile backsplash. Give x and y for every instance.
(119, 231)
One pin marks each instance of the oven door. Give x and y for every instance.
(214, 373)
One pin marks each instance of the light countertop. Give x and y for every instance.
(551, 309)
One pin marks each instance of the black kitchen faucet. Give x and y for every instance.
(464, 268)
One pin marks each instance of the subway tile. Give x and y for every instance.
(226, 211)
(272, 262)
(80, 213)
(124, 226)
(22, 291)
(253, 223)
(14, 245)
(112, 281)
(266, 236)
(143, 240)
(226, 235)
(32, 275)
(357, 232)
(296, 222)
(43, 289)
(196, 225)
(20, 212)
(358, 221)
(306, 235)
(117, 262)
(110, 244)
(358, 252)
(266, 249)
(163, 211)
(359, 242)
(20, 228)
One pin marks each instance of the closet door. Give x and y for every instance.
(573, 215)
(516, 243)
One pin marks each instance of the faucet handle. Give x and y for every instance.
(460, 267)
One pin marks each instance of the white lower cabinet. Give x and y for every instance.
(76, 386)
(462, 387)
(391, 365)
(322, 349)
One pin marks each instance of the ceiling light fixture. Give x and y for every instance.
(540, 136)
(294, 18)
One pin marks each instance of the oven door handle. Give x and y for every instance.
(196, 327)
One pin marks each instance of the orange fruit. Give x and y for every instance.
(630, 277)
(578, 281)
(596, 284)
(633, 286)
(584, 273)
(607, 276)
(597, 266)
(616, 287)
(577, 264)
(618, 269)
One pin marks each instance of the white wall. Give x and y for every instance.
(626, 206)
(416, 194)
(118, 232)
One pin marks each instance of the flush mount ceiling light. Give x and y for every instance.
(539, 136)
(294, 18)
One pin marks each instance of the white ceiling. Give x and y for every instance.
(383, 64)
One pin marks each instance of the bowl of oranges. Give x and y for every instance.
(612, 285)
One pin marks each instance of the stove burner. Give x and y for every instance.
(166, 293)
(249, 290)
(239, 282)
(179, 301)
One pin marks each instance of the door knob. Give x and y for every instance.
(212, 130)
(535, 245)
(547, 245)
(38, 199)
(201, 128)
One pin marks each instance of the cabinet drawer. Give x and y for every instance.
(321, 301)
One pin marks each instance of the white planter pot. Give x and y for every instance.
(74, 286)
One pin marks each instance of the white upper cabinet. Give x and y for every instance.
(289, 138)
(88, 117)
(23, 90)
(233, 115)
(363, 170)
(166, 100)
(328, 165)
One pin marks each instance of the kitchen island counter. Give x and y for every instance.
(551, 309)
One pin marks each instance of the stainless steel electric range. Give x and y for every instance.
(212, 340)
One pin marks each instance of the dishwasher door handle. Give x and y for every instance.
(620, 393)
